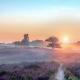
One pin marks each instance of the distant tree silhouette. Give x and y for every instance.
(77, 43)
(24, 42)
(54, 42)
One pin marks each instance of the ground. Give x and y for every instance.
(11, 55)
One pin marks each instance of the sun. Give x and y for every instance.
(65, 39)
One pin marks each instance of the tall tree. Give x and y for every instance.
(54, 42)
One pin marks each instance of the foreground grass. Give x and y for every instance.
(74, 68)
(70, 76)
(72, 71)
(76, 78)
(28, 71)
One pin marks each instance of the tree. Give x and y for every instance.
(54, 42)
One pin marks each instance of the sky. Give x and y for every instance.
(40, 19)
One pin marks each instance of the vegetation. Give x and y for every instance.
(54, 42)
(74, 68)
(29, 71)
(68, 75)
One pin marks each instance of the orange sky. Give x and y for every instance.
(14, 29)
(40, 19)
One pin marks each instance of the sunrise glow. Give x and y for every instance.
(65, 39)
(40, 19)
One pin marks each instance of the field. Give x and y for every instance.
(27, 63)
(71, 61)
(11, 54)
(28, 71)
(34, 63)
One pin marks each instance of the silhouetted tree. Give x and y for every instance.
(24, 42)
(54, 42)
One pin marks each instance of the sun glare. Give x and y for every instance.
(65, 39)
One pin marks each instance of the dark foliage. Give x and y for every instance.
(54, 42)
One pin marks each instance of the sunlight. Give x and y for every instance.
(65, 39)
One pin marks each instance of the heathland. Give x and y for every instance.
(35, 63)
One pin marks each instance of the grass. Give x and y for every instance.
(29, 71)
(76, 78)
